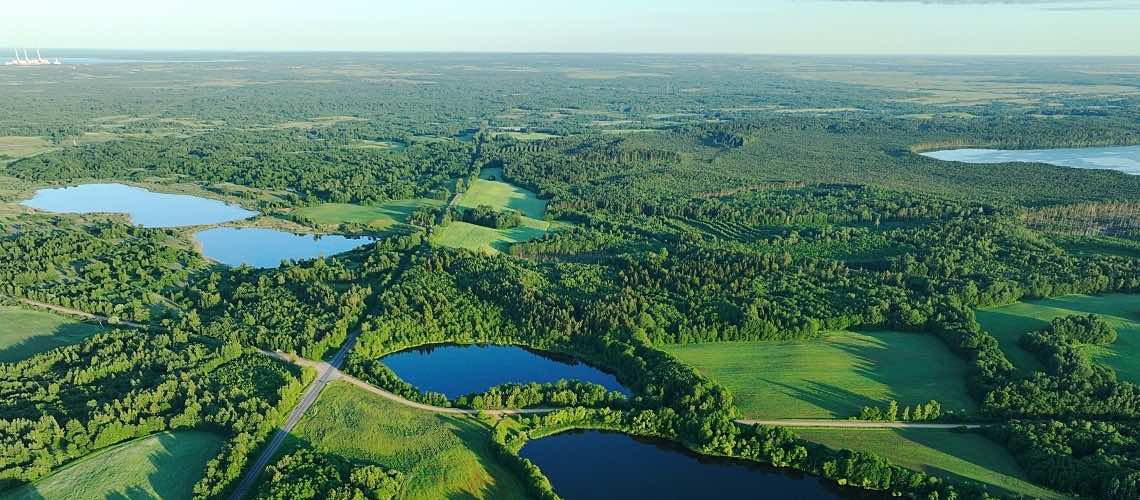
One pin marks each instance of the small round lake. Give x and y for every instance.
(1124, 158)
(457, 370)
(260, 247)
(145, 208)
(600, 465)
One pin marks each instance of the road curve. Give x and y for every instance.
(855, 424)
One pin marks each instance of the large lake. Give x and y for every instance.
(260, 247)
(145, 208)
(1123, 158)
(457, 370)
(604, 465)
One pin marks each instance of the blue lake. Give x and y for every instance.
(1123, 158)
(457, 370)
(260, 247)
(612, 465)
(145, 208)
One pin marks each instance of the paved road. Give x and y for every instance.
(856, 424)
(328, 372)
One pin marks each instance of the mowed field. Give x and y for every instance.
(832, 377)
(164, 465)
(25, 332)
(378, 217)
(441, 456)
(945, 453)
(1009, 323)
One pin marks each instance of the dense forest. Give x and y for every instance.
(730, 201)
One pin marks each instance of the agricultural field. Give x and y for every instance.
(382, 216)
(25, 332)
(440, 456)
(832, 377)
(945, 453)
(1009, 323)
(164, 465)
(501, 195)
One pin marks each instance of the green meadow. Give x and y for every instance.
(378, 217)
(25, 332)
(834, 376)
(1009, 323)
(489, 190)
(441, 456)
(164, 465)
(501, 195)
(945, 453)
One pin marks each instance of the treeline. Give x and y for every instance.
(1088, 458)
(313, 475)
(931, 410)
(308, 168)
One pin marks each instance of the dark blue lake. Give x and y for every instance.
(1123, 158)
(260, 247)
(145, 208)
(604, 465)
(457, 370)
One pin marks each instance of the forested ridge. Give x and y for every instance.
(730, 221)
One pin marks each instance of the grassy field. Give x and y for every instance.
(935, 451)
(15, 147)
(24, 332)
(1009, 323)
(379, 217)
(832, 377)
(488, 240)
(501, 195)
(441, 456)
(163, 465)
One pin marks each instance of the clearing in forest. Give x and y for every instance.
(381, 216)
(946, 453)
(490, 190)
(164, 465)
(441, 456)
(834, 376)
(1009, 323)
(26, 332)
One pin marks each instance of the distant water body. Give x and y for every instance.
(145, 208)
(1123, 158)
(265, 248)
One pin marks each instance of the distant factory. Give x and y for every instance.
(28, 61)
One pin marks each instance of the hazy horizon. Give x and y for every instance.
(771, 27)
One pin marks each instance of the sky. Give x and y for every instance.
(982, 27)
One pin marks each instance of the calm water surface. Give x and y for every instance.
(260, 247)
(457, 370)
(145, 208)
(1124, 158)
(605, 465)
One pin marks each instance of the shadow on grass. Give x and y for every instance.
(838, 401)
(475, 435)
(65, 334)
